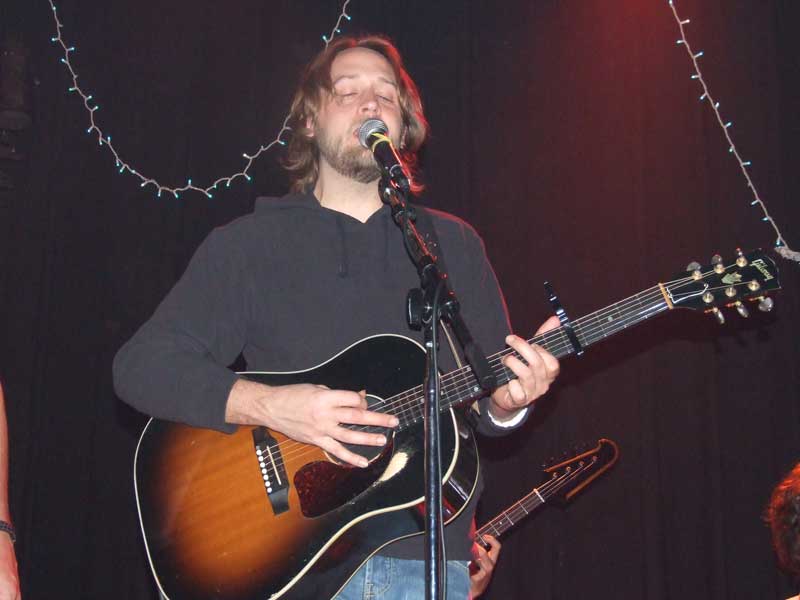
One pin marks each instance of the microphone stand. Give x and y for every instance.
(425, 306)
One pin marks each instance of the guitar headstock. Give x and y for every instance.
(569, 476)
(747, 278)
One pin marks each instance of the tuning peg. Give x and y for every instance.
(742, 309)
(741, 261)
(716, 260)
(694, 268)
(765, 304)
(718, 314)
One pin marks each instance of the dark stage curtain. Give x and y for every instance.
(568, 132)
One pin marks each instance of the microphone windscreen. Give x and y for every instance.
(369, 127)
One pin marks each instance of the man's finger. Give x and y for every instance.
(550, 324)
(550, 362)
(539, 360)
(517, 393)
(359, 416)
(362, 438)
(345, 398)
(494, 547)
(335, 449)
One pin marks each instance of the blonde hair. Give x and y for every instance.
(302, 155)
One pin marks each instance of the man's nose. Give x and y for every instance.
(369, 103)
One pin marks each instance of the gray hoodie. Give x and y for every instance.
(289, 286)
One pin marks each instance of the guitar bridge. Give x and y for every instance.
(273, 471)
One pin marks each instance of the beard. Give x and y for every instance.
(354, 161)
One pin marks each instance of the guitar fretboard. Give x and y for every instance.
(461, 385)
(577, 473)
(512, 515)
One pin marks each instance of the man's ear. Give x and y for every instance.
(310, 126)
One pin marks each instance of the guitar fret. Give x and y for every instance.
(461, 385)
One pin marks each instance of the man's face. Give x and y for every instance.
(364, 87)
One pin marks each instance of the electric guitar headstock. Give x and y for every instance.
(569, 476)
(747, 278)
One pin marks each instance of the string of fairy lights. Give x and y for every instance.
(104, 140)
(780, 243)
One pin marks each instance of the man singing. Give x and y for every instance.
(305, 276)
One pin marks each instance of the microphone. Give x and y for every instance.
(373, 135)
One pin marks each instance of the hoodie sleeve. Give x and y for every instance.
(174, 367)
(483, 309)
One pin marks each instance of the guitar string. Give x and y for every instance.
(287, 451)
(291, 447)
(588, 331)
(466, 375)
(496, 360)
(464, 380)
(564, 345)
(460, 386)
(520, 509)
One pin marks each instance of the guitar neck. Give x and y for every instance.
(591, 329)
(460, 385)
(566, 479)
(511, 516)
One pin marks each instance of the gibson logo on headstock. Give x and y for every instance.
(762, 267)
(731, 278)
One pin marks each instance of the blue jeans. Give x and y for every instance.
(384, 578)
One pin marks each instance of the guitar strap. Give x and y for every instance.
(427, 229)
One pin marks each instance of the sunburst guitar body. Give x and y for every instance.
(255, 514)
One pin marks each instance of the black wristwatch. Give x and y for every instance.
(9, 529)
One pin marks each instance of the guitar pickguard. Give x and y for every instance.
(324, 486)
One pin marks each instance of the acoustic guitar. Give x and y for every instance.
(255, 514)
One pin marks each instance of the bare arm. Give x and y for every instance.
(9, 579)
